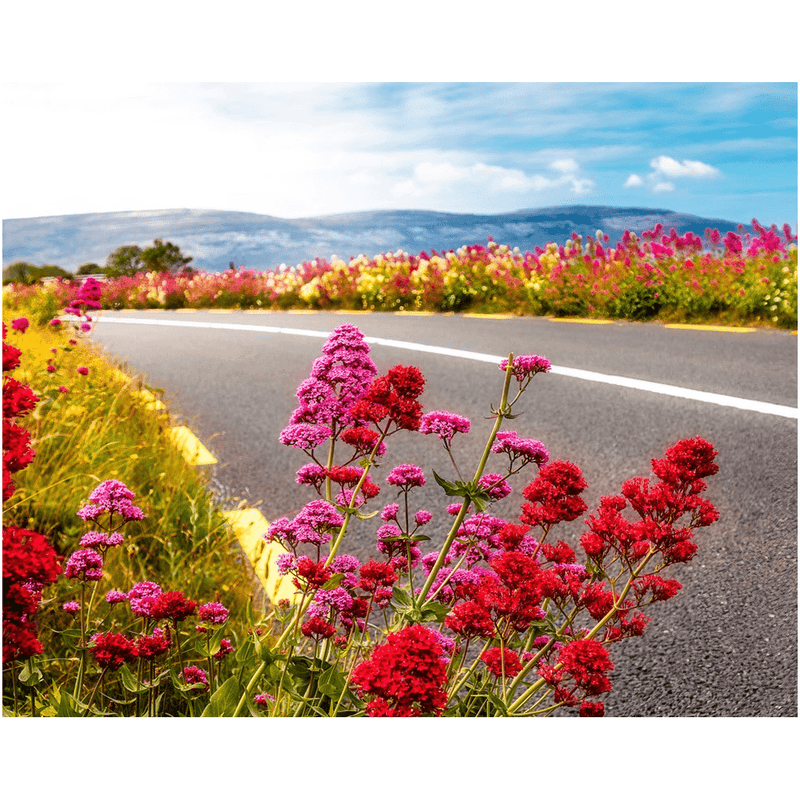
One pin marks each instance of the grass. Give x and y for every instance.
(104, 429)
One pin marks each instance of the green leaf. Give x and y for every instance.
(129, 680)
(30, 674)
(450, 489)
(66, 705)
(434, 612)
(224, 701)
(333, 581)
(362, 515)
(331, 682)
(213, 645)
(419, 537)
(401, 597)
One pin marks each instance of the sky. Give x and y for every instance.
(306, 148)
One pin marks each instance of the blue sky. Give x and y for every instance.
(726, 150)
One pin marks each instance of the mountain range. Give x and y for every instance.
(214, 239)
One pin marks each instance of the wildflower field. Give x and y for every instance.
(125, 593)
(730, 279)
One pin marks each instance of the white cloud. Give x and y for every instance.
(664, 165)
(666, 170)
(565, 165)
(432, 178)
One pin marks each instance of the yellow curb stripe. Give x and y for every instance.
(301, 310)
(354, 311)
(192, 448)
(582, 321)
(415, 313)
(718, 328)
(249, 525)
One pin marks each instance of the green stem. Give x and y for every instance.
(502, 411)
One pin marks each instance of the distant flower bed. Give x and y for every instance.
(657, 275)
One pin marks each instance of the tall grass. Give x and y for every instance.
(102, 429)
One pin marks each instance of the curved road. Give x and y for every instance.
(727, 644)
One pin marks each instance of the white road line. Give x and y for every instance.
(581, 374)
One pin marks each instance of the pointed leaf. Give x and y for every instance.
(224, 701)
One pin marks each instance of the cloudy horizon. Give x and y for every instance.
(725, 150)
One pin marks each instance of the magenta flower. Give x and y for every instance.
(193, 675)
(316, 522)
(142, 597)
(516, 447)
(444, 424)
(526, 366)
(263, 699)
(55, 322)
(115, 596)
(51, 368)
(83, 370)
(20, 324)
(112, 497)
(84, 565)
(406, 475)
(71, 607)
(63, 389)
(213, 613)
(100, 541)
(305, 436)
(340, 377)
(423, 517)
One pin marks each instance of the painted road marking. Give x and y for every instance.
(249, 525)
(580, 374)
(193, 449)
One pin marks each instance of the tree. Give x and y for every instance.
(20, 272)
(89, 269)
(164, 257)
(125, 260)
(28, 274)
(160, 257)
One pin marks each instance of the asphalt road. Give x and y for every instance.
(727, 644)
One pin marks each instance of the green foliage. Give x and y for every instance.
(29, 274)
(125, 260)
(164, 257)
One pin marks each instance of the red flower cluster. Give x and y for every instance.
(29, 562)
(374, 575)
(172, 605)
(318, 628)
(363, 439)
(313, 573)
(18, 400)
(500, 661)
(154, 645)
(553, 496)
(393, 395)
(405, 675)
(659, 506)
(112, 650)
(506, 601)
